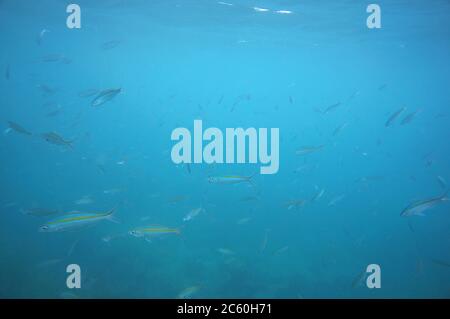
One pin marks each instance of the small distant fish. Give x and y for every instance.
(188, 292)
(56, 139)
(18, 128)
(193, 213)
(318, 195)
(291, 100)
(226, 251)
(331, 108)
(283, 12)
(112, 191)
(263, 246)
(382, 87)
(85, 200)
(47, 90)
(220, 99)
(441, 262)
(7, 72)
(153, 231)
(442, 182)
(243, 221)
(49, 262)
(359, 279)
(408, 118)
(188, 166)
(260, 9)
(110, 44)
(419, 207)
(88, 92)
(281, 250)
(75, 220)
(339, 129)
(392, 118)
(56, 57)
(295, 204)
(229, 179)
(105, 96)
(53, 113)
(41, 35)
(336, 199)
(177, 199)
(308, 149)
(248, 198)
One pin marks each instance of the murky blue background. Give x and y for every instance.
(230, 66)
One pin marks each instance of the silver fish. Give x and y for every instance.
(392, 118)
(19, 129)
(419, 207)
(105, 96)
(408, 118)
(56, 139)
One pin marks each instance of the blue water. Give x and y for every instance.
(230, 66)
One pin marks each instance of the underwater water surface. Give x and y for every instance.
(87, 176)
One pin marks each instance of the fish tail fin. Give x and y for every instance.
(110, 215)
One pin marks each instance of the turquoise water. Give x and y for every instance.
(308, 231)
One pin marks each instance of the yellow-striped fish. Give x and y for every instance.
(75, 220)
(153, 231)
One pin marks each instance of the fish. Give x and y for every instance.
(75, 220)
(248, 198)
(105, 96)
(291, 100)
(188, 292)
(188, 166)
(177, 199)
(441, 262)
(226, 251)
(339, 129)
(85, 200)
(382, 87)
(56, 139)
(233, 179)
(243, 221)
(53, 113)
(419, 207)
(359, 279)
(281, 250)
(442, 182)
(193, 213)
(7, 72)
(308, 149)
(331, 108)
(18, 128)
(318, 195)
(41, 35)
(153, 231)
(110, 44)
(112, 191)
(265, 241)
(408, 118)
(295, 203)
(46, 90)
(392, 118)
(56, 57)
(336, 199)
